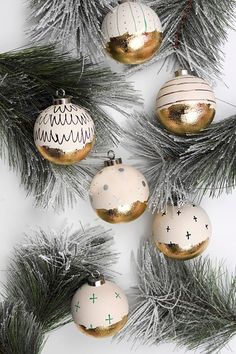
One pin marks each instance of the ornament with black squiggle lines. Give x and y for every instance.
(64, 133)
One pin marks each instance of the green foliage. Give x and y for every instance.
(45, 273)
(19, 331)
(179, 168)
(28, 80)
(70, 22)
(191, 302)
(194, 33)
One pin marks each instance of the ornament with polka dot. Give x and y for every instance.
(118, 193)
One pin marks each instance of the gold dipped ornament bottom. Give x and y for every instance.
(175, 251)
(102, 332)
(134, 48)
(123, 214)
(61, 157)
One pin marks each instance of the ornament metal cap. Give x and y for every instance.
(181, 72)
(96, 279)
(112, 159)
(61, 98)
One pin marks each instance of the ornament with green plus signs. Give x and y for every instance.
(100, 310)
(93, 298)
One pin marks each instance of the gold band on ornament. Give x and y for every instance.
(176, 252)
(186, 118)
(60, 157)
(134, 48)
(121, 215)
(101, 332)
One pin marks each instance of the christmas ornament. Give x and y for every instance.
(185, 104)
(99, 307)
(182, 233)
(118, 193)
(64, 132)
(132, 33)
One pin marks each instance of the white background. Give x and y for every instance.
(17, 215)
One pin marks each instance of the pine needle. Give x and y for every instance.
(45, 272)
(28, 80)
(191, 302)
(179, 168)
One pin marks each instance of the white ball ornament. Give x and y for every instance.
(64, 133)
(100, 308)
(185, 104)
(132, 32)
(118, 193)
(182, 232)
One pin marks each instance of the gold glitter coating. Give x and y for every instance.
(101, 332)
(176, 252)
(134, 48)
(186, 118)
(123, 214)
(60, 157)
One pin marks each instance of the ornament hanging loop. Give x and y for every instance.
(96, 278)
(181, 72)
(61, 98)
(111, 155)
(112, 159)
(60, 93)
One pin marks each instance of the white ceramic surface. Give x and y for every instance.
(185, 226)
(185, 89)
(130, 17)
(117, 186)
(99, 306)
(67, 127)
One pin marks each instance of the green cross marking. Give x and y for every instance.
(109, 319)
(117, 295)
(77, 306)
(93, 298)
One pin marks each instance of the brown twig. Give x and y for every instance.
(182, 22)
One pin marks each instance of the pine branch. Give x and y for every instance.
(179, 167)
(70, 23)
(193, 303)
(28, 79)
(45, 273)
(209, 164)
(19, 332)
(194, 33)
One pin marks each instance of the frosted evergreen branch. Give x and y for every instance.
(182, 167)
(192, 303)
(194, 33)
(209, 164)
(19, 331)
(72, 23)
(28, 79)
(45, 272)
